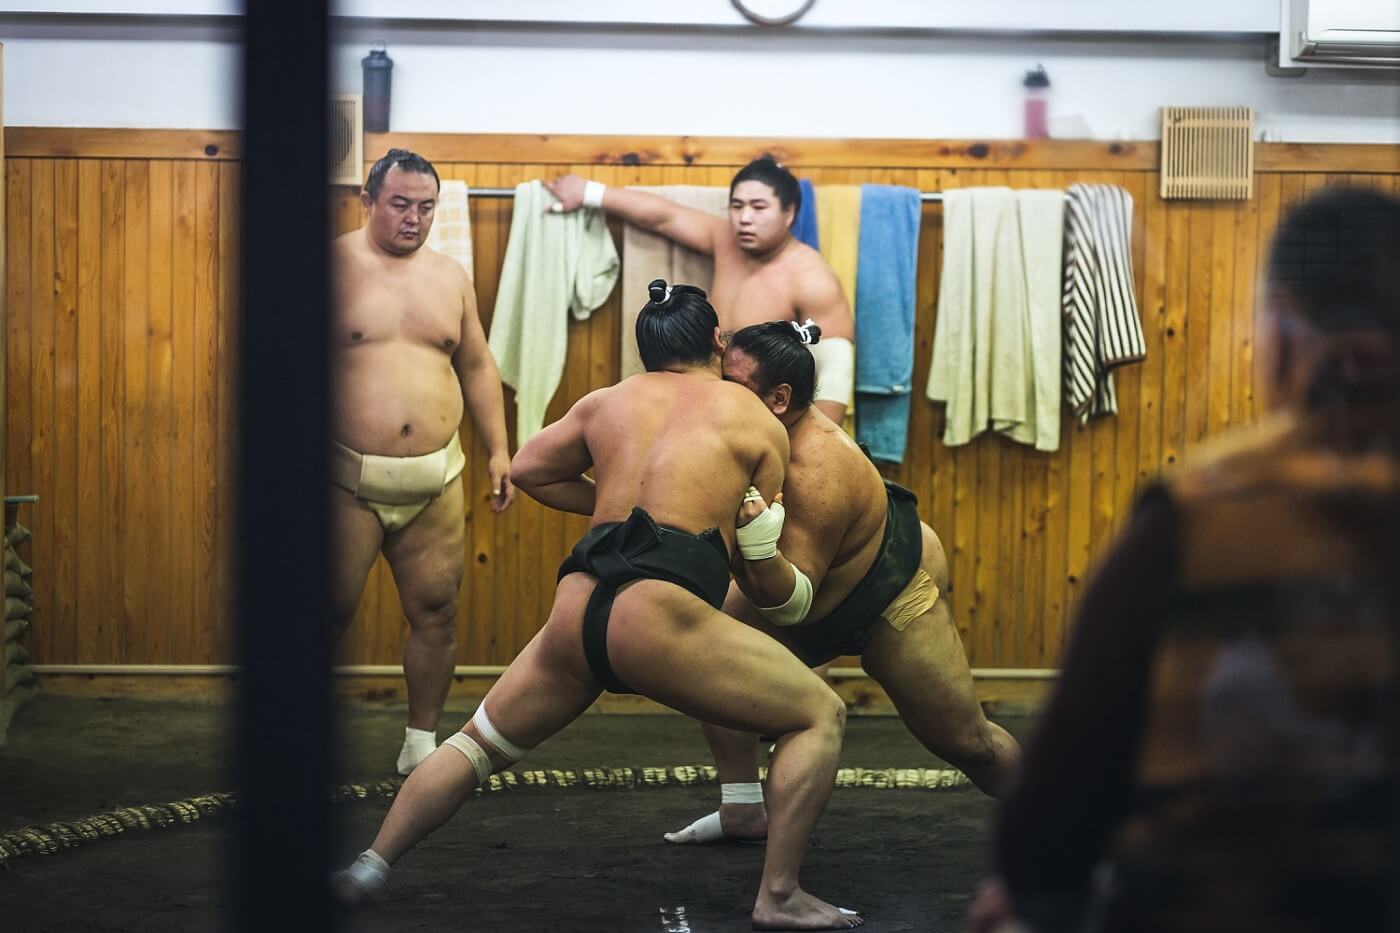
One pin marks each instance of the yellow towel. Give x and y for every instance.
(451, 233)
(838, 231)
(647, 256)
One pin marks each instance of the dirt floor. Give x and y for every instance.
(531, 860)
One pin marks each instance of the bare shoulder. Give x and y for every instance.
(440, 264)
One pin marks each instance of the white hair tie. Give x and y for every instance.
(804, 331)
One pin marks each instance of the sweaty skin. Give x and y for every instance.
(761, 272)
(685, 446)
(407, 349)
(837, 509)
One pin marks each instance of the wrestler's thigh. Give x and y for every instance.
(670, 646)
(429, 554)
(924, 668)
(740, 607)
(355, 538)
(548, 685)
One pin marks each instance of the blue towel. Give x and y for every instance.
(804, 225)
(886, 283)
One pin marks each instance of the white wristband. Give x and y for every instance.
(593, 194)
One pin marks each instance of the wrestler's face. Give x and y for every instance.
(739, 367)
(398, 221)
(758, 218)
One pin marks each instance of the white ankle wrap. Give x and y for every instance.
(489, 732)
(369, 872)
(741, 793)
(481, 762)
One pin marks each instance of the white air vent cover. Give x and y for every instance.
(347, 140)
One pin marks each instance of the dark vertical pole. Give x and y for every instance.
(285, 728)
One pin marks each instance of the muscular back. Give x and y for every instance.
(837, 508)
(683, 447)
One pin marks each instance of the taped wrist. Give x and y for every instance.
(795, 609)
(758, 540)
(593, 194)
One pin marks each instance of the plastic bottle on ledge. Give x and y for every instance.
(378, 70)
(1037, 85)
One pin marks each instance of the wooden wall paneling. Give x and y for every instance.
(90, 512)
(65, 429)
(1241, 383)
(230, 225)
(189, 633)
(1035, 520)
(1152, 276)
(207, 608)
(122, 331)
(159, 409)
(1267, 194)
(136, 434)
(1221, 318)
(1198, 323)
(110, 622)
(42, 404)
(1175, 350)
(1131, 424)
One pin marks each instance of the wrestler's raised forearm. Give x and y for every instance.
(577, 495)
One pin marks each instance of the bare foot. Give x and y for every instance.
(347, 893)
(801, 911)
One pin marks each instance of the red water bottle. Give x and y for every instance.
(1037, 85)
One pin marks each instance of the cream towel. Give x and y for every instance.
(1042, 215)
(649, 256)
(838, 232)
(451, 233)
(555, 264)
(997, 311)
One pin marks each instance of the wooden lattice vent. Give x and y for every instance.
(1208, 153)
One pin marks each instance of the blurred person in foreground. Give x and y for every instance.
(1219, 753)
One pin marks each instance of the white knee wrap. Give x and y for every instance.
(489, 732)
(481, 762)
(836, 369)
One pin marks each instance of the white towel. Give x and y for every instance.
(997, 307)
(1102, 326)
(451, 233)
(1042, 215)
(555, 265)
(647, 256)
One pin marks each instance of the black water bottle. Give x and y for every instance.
(378, 71)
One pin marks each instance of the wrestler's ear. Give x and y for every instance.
(720, 340)
(780, 398)
(365, 199)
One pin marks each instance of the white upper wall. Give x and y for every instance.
(859, 68)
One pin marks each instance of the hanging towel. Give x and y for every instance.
(648, 256)
(451, 233)
(886, 284)
(1042, 215)
(804, 225)
(1102, 326)
(838, 230)
(997, 308)
(555, 265)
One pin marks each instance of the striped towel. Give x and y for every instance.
(1102, 327)
(451, 233)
